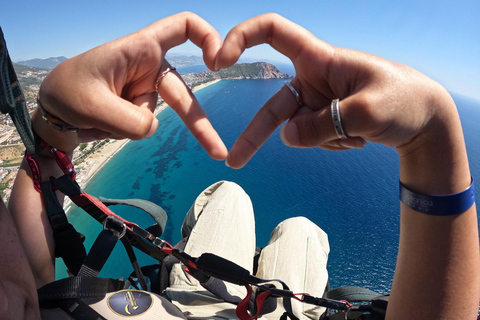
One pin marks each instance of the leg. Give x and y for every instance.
(221, 222)
(297, 254)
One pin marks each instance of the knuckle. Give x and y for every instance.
(141, 128)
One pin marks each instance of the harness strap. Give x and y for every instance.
(12, 100)
(242, 308)
(98, 254)
(379, 308)
(78, 288)
(68, 242)
(154, 210)
(134, 262)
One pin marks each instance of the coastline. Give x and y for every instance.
(96, 161)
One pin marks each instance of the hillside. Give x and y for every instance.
(48, 63)
(257, 70)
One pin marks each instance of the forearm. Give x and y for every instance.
(437, 274)
(26, 203)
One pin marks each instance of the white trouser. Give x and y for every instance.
(221, 221)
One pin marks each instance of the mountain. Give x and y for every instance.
(48, 63)
(257, 70)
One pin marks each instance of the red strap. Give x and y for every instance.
(36, 177)
(242, 308)
(84, 199)
(64, 162)
(60, 157)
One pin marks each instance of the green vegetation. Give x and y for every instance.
(4, 185)
(242, 70)
(96, 146)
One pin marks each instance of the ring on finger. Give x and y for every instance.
(162, 75)
(337, 121)
(295, 93)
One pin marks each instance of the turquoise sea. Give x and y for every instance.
(352, 195)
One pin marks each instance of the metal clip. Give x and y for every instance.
(111, 219)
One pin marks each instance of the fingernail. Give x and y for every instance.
(352, 143)
(216, 65)
(289, 134)
(226, 163)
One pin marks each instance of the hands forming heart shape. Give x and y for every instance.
(109, 91)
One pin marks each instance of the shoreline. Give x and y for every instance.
(97, 161)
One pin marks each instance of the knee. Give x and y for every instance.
(228, 186)
(302, 227)
(230, 190)
(300, 224)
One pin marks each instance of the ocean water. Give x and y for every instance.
(352, 195)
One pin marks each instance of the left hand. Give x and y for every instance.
(109, 91)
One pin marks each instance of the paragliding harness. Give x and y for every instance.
(209, 269)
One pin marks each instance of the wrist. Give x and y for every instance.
(65, 141)
(435, 161)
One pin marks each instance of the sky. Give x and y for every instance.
(437, 37)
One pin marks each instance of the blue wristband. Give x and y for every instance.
(438, 205)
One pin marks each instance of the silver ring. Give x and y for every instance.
(337, 122)
(162, 75)
(295, 93)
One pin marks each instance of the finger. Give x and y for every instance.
(89, 135)
(178, 96)
(109, 113)
(280, 107)
(317, 128)
(282, 34)
(177, 29)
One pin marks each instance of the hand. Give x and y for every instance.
(383, 102)
(380, 101)
(109, 91)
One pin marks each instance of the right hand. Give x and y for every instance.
(109, 91)
(380, 101)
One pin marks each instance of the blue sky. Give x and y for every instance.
(439, 38)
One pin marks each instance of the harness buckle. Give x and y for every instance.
(111, 223)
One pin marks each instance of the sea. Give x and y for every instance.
(352, 195)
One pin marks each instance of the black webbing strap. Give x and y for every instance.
(379, 308)
(12, 100)
(78, 288)
(134, 262)
(98, 254)
(68, 242)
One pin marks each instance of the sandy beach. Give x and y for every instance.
(97, 160)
